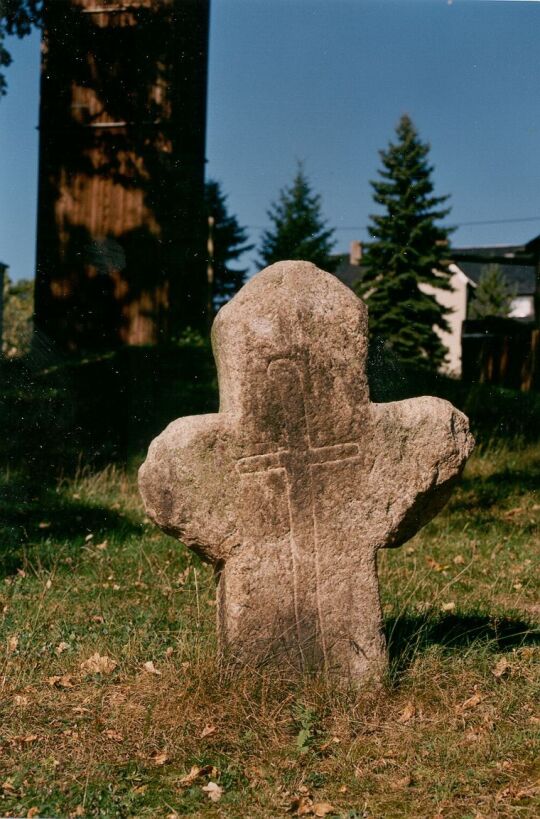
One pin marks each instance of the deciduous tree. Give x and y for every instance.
(17, 17)
(18, 317)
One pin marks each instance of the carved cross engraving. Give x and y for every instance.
(298, 462)
(291, 489)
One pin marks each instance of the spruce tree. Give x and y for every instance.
(299, 230)
(229, 243)
(493, 295)
(408, 250)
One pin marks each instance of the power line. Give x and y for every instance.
(500, 221)
(455, 224)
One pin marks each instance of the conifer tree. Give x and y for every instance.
(299, 230)
(229, 243)
(493, 295)
(408, 250)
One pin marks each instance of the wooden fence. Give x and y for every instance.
(501, 351)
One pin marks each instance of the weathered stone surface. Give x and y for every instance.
(291, 489)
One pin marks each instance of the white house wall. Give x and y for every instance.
(455, 302)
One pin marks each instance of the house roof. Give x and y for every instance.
(491, 252)
(517, 263)
(526, 254)
(520, 276)
(348, 273)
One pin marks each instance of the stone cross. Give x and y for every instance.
(296, 483)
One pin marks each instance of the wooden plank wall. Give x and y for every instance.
(501, 351)
(120, 229)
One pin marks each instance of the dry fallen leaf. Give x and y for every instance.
(61, 647)
(150, 668)
(207, 731)
(329, 742)
(322, 808)
(183, 576)
(213, 791)
(435, 565)
(302, 805)
(197, 773)
(65, 681)
(7, 786)
(408, 713)
(403, 782)
(527, 793)
(159, 758)
(501, 667)
(28, 739)
(114, 735)
(96, 664)
(511, 512)
(472, 702)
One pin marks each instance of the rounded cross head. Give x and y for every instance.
(298, 480)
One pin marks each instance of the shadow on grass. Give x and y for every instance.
(36, 519)
(481, 492)
(58, 414)
(409, 635)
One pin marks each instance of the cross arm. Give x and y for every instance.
(188, 485)
(420, 447)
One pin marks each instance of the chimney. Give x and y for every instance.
(355, 253)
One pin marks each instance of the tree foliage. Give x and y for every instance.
(229, 243)
(408, 255)
(299, 230)
(18, 317)
(493, 295)
(17, 17)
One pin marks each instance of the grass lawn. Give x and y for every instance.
(111, 703)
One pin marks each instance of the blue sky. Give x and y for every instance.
(325, 81)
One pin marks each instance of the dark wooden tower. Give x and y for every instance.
(121, 227)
